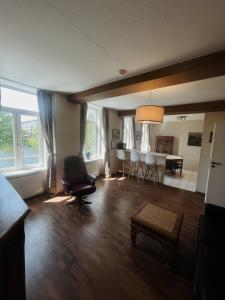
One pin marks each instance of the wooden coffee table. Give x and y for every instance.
(159, 223)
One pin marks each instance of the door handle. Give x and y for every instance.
(214, 163)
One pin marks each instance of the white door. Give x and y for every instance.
(215, 192)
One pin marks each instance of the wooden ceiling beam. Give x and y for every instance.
(192, 108)
(203, 67)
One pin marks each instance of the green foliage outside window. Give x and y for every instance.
(6, 132)
(90, 141)
(30, 139)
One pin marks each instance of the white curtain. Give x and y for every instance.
(145, 136)
(128, 132)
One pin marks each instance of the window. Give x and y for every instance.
(93, 138)
(145, 147)
(21, 140)
(128, 134)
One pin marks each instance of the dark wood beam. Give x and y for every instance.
(192, 108)
(203, 67)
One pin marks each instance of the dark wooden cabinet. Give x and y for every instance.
(164, 144)
(13, 211)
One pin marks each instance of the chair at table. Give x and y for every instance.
(151, 167)
(122, 156)
(76, 181)
(135, 164)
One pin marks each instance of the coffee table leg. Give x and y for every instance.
(133, 235)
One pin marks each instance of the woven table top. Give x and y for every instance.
(159, 219)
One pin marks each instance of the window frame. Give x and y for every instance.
(17, 135)
(98, 131)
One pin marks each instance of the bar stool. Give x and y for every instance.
(122, 156)
(135, 164)
(151, 167)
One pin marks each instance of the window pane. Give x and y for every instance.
(90, 140)
(7, 151)
(16, 99)
(30, 133)
(91, 115)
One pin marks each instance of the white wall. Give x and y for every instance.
(67, 132)
(210, 119)
(180, 130)
(29, 185)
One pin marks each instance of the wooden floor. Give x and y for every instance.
(187, 181)
(86, 254)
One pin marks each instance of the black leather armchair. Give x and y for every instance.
(76, 181)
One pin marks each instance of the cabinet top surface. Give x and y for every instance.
(13, 209)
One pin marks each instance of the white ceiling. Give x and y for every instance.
(193, 92)
(70, 46)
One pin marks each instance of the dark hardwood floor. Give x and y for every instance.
(86, 254)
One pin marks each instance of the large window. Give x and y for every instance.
(21, 141)
(128, 132)
(93, 138)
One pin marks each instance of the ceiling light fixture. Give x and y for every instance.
(181, 118)
(150, 114)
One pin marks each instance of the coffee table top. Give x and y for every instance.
(162, 221)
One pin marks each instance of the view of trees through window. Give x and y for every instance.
(30, 139)
(7, 153)
(20, 131)
(92, 137)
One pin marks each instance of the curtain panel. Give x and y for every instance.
(45, 105)
(105, 122)
(134, 131)
(145, 137)
(83, 121)
(128, 132)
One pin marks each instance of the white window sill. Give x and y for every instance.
(92, 160)
(22, 173)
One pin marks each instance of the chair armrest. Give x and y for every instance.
(92, 178)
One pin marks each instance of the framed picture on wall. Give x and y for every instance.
(115, 134)
(194, 139)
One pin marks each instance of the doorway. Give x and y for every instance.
(186, 131)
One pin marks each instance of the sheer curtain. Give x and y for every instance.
(145, 137)
(105, 123)
(46, 117)
(83, 121)
(128, 132)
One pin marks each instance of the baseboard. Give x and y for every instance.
(199, 193)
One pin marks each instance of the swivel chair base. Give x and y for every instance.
(79, 201)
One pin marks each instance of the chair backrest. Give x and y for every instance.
(75, 170)
(150, 159)
(121, 154)
(134, 155)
